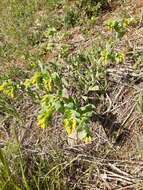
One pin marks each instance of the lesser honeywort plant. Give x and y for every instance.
(53, 97)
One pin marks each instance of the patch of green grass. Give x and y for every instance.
(28, 172)
(22, 24)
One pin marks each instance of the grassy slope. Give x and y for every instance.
(32, 158)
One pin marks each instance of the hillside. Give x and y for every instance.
(71, 100)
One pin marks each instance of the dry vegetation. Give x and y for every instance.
(71, 100)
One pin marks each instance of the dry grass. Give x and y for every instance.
(43, 159)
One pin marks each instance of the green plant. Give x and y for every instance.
(93, 7)
(120, 26)
(109, 55)
(65, 51)
(71, 18)
(55, 99)
(46, 173)
(50, 32)
(9, 88)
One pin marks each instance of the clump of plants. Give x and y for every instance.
(71, 17)
(72, 89)
(67, 89)
(81, 9)
(120, 27)
(53, 98)
(93, 7)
